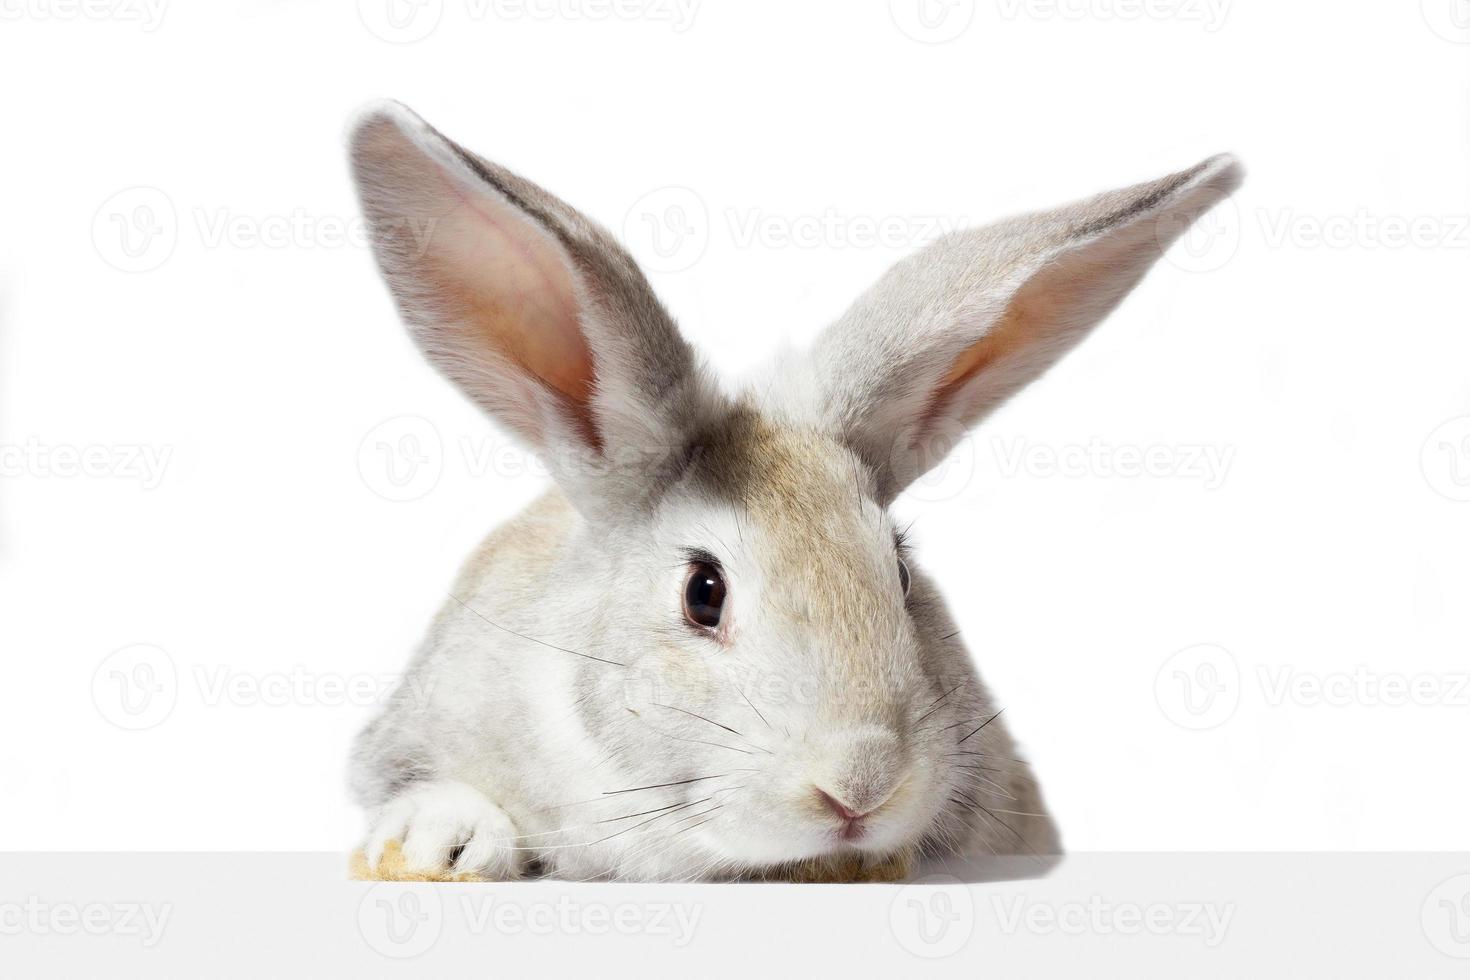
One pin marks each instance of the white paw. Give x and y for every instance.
(447, 826)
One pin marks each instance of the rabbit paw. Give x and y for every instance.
(441, 831)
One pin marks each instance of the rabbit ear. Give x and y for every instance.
(949, 333)
(531, 309)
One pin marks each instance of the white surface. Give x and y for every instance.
(1099, 915)
(256, 351)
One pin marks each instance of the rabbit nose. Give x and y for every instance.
(842, 810)
(864, 770)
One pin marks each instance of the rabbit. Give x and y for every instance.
(708, 653)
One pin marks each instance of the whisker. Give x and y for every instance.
(600, 840)
(709, 721)
(935, 706)
(1021, 840)
(639, 814)
(754, 708)
(692, 827)
(999, 788)
(681, 782)
(532, 639)
(700, 741)
(700, 717)
(982, 725)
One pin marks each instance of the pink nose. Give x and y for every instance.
(838, 807)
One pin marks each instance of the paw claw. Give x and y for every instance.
(440, 832)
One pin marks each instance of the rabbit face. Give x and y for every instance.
(808, 676)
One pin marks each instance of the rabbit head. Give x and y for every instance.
(747, 622)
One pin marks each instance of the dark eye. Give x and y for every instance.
(903, 575)
(704, 594)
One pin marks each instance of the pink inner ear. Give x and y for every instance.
(1044, 317)
(510, 282)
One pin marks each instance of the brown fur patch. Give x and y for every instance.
(810, 501)
(845, 869)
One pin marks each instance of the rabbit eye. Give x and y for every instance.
(903, 575)
(704, 594)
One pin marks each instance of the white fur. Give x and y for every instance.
(560, 709)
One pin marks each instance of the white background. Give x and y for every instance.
(1297, 337)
